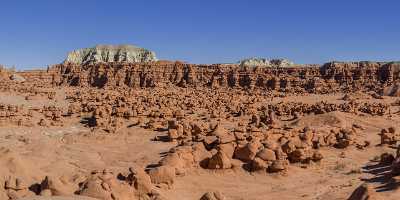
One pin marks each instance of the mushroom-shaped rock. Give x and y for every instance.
(140, 180)
(104, 185)
(278, 165)
(162, 175)
(266, 155)
(219, 161)
(57, 186)
(248, 152)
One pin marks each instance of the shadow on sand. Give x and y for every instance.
(381, 175)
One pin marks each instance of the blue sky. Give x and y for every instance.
(40, 32)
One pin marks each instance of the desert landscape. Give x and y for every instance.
(115, 123)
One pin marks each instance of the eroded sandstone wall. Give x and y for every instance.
(330, 77)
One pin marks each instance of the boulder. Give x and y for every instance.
(17, 188)
(248, 152)
(258, 164)
(213, 196)
(140, 180)
(228, 149)
(266, 155)
(162, 175)
(278, 165)
(104, 185)
(219, 161)
(57, 186)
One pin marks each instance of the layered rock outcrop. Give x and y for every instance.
(110, 53)
(330, 77)
(381, 77)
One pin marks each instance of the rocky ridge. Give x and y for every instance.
(330, 77)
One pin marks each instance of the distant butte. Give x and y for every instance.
(110, 53)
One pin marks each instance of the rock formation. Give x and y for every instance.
(215, 118)
(110, 53)
(328, 78)
(263, 62)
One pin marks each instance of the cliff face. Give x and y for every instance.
(330, 77)
(110, 53)
(362, 72)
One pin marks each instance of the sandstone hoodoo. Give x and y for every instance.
(110, 53)
(328, 78)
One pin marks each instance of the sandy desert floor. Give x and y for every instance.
(73, 151)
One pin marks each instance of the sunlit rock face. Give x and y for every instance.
(110, 53)
(263, 62)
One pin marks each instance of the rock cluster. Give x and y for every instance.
(118, 109)
(103, 185)
(389, 136)
(295, 109)
(269, 150)
(24, 116)
(15, 115)
(217, 118)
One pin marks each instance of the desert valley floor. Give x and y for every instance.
(96, 132)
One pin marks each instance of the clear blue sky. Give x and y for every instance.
(35, 33)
